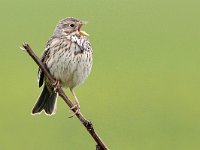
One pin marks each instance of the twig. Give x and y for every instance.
(88, 125)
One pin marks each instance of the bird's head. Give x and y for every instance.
(70, 25)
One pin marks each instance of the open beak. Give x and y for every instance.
(83, 33)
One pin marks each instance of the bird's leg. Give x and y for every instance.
(76, 100)
(76, 104)
(56, 84)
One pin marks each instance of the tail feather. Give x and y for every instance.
(50, 107)
(46, 101)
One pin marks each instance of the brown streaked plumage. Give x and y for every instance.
(68, 57)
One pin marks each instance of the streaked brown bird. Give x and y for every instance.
(68, 57)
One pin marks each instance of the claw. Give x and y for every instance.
(56, 84)
(77, 107)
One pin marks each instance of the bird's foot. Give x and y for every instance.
(56, 84)
(77, 110)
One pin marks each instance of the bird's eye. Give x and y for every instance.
(72, 25)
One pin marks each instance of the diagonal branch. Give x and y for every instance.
(88, 125)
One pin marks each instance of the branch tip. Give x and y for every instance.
(22, 48)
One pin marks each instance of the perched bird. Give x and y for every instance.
(68, 58)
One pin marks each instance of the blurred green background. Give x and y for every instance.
(144, 90)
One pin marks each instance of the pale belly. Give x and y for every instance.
(70, 69)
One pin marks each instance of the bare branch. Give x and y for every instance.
(88, 125)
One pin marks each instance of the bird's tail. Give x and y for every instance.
(46, 101)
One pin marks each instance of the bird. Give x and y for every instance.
(68, 57)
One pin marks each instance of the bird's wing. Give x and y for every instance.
(42, 59)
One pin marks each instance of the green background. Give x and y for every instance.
(144, 90)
